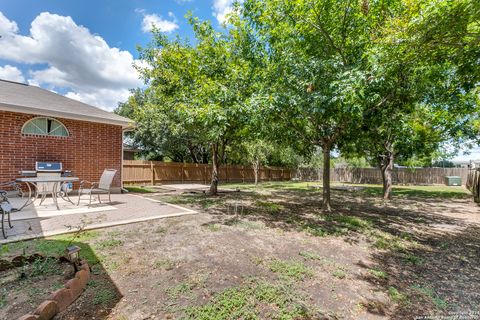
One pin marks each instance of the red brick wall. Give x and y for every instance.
(90, 148)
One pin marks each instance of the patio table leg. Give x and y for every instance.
(30, 196)
(54, 195)
(65, 197)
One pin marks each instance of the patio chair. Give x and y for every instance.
(6, 208)
(98, 188)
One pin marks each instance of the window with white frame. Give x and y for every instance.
(45, 127)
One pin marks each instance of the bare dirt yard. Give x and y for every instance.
(269, 252)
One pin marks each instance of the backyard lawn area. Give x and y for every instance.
(269, 252)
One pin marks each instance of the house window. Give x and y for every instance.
(45, 127)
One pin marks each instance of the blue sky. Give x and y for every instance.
(85, 49)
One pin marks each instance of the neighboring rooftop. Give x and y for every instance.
(24, 98)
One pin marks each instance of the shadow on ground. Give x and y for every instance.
(425, 255)
(22, 294)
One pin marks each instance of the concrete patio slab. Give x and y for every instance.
(43, 221)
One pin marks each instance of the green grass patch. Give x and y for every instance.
(269, 206)
(349, 222)
(194, 199)
(308, 255)
(103, 297)
(430, 293)
(181, 289)
(437, 191)
(139, 189)
(396, 296)
(290, 269)
(412, 259)
(253, 300)
(339, 273)
(108, 243)
(166, 264)
(213, 227)
(379, 273)
(43, 267)
(3, 297)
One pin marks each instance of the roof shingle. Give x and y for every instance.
(20, 97)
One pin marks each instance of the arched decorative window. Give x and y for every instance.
(45, 127)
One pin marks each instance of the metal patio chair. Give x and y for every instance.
(98, 188)
(6, 207)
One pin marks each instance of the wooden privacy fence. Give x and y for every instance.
(157, 172)
(473, 183)
(420, 176)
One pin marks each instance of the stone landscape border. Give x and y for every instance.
(59, 300)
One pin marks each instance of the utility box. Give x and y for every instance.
(453, 181)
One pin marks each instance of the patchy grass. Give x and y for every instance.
(339, 273)
(308, 255)
(245, 224)
(396, 296)
(290, 270)
(44, 267)
(181, 289)
(437, 191)
(165, 264)
(3, 297)
(213, 227)
(108, 243)
(254, 300)
(136, 189)
(349, 222)
(272, 207)
(411, 258)
(379, 273)
(430, 293)
(103, 297)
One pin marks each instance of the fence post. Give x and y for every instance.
(152, 168)
(182, 168)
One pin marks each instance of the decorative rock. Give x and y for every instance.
(46, 310)
(75, 286)
(63, 298)
(83, 276)
(28, 317)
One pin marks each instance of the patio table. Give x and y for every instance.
(57, 186)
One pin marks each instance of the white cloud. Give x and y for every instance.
(7, 26)
(11, 73)
(222, 8)
(77, 60)
(150, 20)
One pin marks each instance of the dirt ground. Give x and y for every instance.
(24, 288)
(271, 253)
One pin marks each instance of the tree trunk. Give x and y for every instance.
(326, 179)
(215, 165)
(256, 167)
(386, 167)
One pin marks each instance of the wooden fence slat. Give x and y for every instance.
(154, 172)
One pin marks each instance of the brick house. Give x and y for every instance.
(39, 125)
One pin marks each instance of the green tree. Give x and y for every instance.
(202, 89)
(316, 53)
(257, 153)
